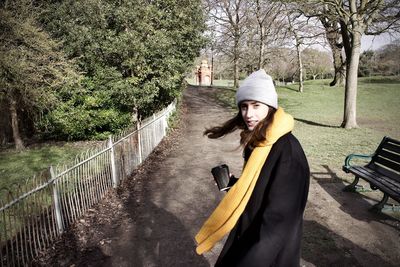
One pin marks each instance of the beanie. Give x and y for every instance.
(258, 86)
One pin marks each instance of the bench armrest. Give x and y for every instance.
(351, 156)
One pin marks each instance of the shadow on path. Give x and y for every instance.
(354, 204)
(159, 239)
(319, 248)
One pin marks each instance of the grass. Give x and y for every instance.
(18, 166)
(318, 112)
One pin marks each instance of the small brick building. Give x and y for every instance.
(203, 74)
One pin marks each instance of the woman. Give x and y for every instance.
(264, 209)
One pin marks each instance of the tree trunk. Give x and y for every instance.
(350, 102)
(236, 64)
(339, 67)
(261, 49)
(298, 51)
(301, 86)
(235, 73)
(333, 36)
(212, 67)
(14, 125)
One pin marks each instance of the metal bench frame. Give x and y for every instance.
(382, 172)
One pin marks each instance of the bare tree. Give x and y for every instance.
(315, 8)
(316, 63)
(354, 18)
(230, 18)
(283, 68)
(298, 41)
(334, 38)
(267, 16)
(305, 32)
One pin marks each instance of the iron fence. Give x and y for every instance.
(33, 215)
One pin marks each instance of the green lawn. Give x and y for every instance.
(16, 167)
(318, 112)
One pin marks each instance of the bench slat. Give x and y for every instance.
(392, 147)
(394, 141)
(383, 171)
(386, 185)
(387, 163)
(390, 155)
(377, 176)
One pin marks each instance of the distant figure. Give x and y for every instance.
(203, 74)
(263, 210)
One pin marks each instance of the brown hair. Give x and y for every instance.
(247, 137)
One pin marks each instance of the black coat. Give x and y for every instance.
(268, 233)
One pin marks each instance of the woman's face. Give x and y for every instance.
(253, 112)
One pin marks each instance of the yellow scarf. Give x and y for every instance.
(225, 216)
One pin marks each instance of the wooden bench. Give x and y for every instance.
(382, 172)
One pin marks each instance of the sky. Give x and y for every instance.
(369, 42)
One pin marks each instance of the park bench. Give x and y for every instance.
(382, 172)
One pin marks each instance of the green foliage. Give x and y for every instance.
(387, 59)
(76, 123)
(134, 55)
(366, 64)
(384, 61)
(32, 67)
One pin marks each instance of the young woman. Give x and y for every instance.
(264, 209)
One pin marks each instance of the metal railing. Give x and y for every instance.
(35, 214)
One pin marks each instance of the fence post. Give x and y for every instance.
(164, 124)
(112, 159)
(57, 203)
(155, 135)
(139, 142)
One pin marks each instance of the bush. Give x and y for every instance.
(133, 57)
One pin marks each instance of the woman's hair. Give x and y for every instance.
(247, 137)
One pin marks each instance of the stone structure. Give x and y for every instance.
(203, 74)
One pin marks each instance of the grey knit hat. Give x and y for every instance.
(258, 86)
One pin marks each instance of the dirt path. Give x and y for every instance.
(152, 219)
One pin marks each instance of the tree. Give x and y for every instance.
(304, 32)
(298, 42)
(317, 9)
(268, 22)
(283, 68)
(316, 63)
(366, 63)
(230, 18)
(353, 18)
(334, 38)
(388, 58)
(134, 55)
(32, 68)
